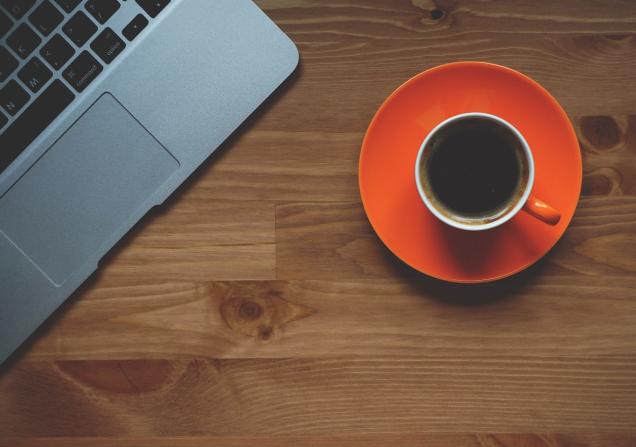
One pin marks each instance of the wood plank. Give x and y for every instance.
(282, 165)
(319, 396)
(195, 240)
(536, 313)
(413, 440)
(335, 241)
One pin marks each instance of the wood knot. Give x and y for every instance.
(602, 182)
(431, 13)
(260, 317)
(601, 132)
(437, 14)
(249, 310)
(265, 332)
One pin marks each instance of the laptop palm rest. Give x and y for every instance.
(86, 191)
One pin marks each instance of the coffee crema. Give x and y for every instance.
(474, 170)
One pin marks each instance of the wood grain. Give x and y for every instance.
(412, 440)
(286, 166)
(319, 396)
(532, 314)
(196, 240)
(257, 306)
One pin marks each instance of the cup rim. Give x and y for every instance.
(507, 216)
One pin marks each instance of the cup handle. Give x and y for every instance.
(542, 211)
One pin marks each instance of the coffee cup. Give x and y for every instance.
(475, 171)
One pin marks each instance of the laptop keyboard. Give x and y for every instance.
(33, 54)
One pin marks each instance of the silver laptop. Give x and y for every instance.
(106, 107)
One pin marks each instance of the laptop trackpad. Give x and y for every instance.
(86, 191)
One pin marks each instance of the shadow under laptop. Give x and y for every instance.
(199, 173)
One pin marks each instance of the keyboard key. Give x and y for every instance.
(136, 25)
(8, 63)
(108, 45)
(68, 5)
(17, 8)
(46, 17)
(13, 97)
(79, 28)
(35, 118)
(3, 120)
(5, 24)
(102, 10)
(82, 71)
(153, 7)
(23, 40)
(57, 52)
(34, 74)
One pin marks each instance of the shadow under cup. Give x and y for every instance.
(474, 171)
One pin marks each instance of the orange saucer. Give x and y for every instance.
(387, 183)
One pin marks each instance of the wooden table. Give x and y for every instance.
(258, 308)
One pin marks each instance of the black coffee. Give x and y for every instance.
(474, 167)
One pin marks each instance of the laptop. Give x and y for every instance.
(106, 107)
